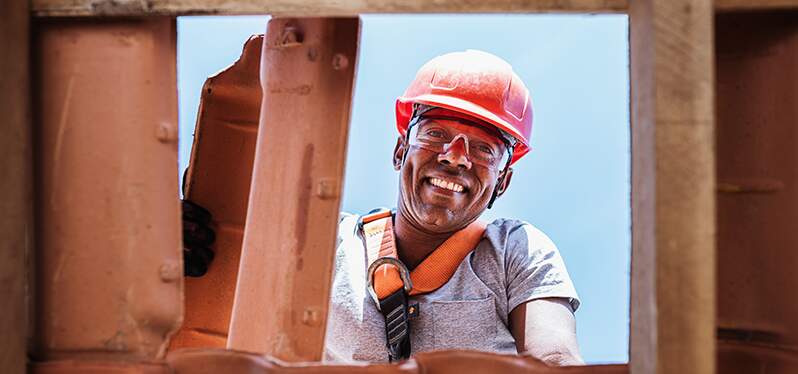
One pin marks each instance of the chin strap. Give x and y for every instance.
(501, 179)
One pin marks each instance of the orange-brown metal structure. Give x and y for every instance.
(108, 277)
(107, 286)
(218, 178)
(296, 188)
(207, 361)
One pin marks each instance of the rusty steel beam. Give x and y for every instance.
(673, 187)
(16, 189)
(218, 179)
(211, 361)
(109, 272)
(307, 75)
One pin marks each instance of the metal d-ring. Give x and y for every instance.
(404, 274)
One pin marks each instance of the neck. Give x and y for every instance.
(413, 244)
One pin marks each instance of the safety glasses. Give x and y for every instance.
(480, 147)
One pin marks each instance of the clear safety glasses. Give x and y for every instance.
(483, 149)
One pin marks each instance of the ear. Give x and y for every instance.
(399, 152)
(504, 183)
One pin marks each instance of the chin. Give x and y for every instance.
(437, 218)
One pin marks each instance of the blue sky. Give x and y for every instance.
(574, 185)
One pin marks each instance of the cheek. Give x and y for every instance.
(487, 181)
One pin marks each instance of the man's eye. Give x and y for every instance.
(485, 149)
(435, 133)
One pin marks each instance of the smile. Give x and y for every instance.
(451, 186)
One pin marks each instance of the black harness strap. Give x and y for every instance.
(397, 325)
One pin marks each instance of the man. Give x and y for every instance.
(462, 122)
(430, 275)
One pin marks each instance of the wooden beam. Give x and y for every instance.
(330, 8)
(748, 5)
(673, 187)
(282, 296)
(16, 190)
(315, 8)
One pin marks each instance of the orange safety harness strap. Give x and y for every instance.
(428, 276)
(390, 283)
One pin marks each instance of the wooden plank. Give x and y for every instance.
(746, 5)
(329, 8)
(757, 153)
(673, 187)
(285, 276)
(16, 190)
(315, 8)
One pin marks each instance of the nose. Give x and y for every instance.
(455, 153)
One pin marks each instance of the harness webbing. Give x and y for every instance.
(428, 276)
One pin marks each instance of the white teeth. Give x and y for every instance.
(447, 185)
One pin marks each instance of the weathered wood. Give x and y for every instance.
(330, 8)
(673, 187)
(282, 296)
(757, 150)
(315, 8)
(744, 5)
(16, 189)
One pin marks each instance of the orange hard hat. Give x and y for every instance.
(477, 84)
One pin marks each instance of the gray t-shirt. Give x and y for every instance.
(512, 264)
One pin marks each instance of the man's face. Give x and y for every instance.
(449, 173)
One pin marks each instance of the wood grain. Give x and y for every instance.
(316, 8)
(673, 187)
(16, 190)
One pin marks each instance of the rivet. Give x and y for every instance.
(310, 317)
(313, 54)
(165, 132)
(327, 188)
(340, 61)
(169, 272)
(290, 37)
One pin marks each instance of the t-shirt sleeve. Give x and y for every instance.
(535, 268)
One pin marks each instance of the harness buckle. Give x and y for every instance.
(404, 274)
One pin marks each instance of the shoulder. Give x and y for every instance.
(348, 225)
(512, 235)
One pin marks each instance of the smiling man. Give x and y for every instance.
(430, 275)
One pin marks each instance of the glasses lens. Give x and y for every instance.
(481, 151)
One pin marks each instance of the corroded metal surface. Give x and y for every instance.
(109, 276)
(282, 296)
(218, 179)
(445, 362)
